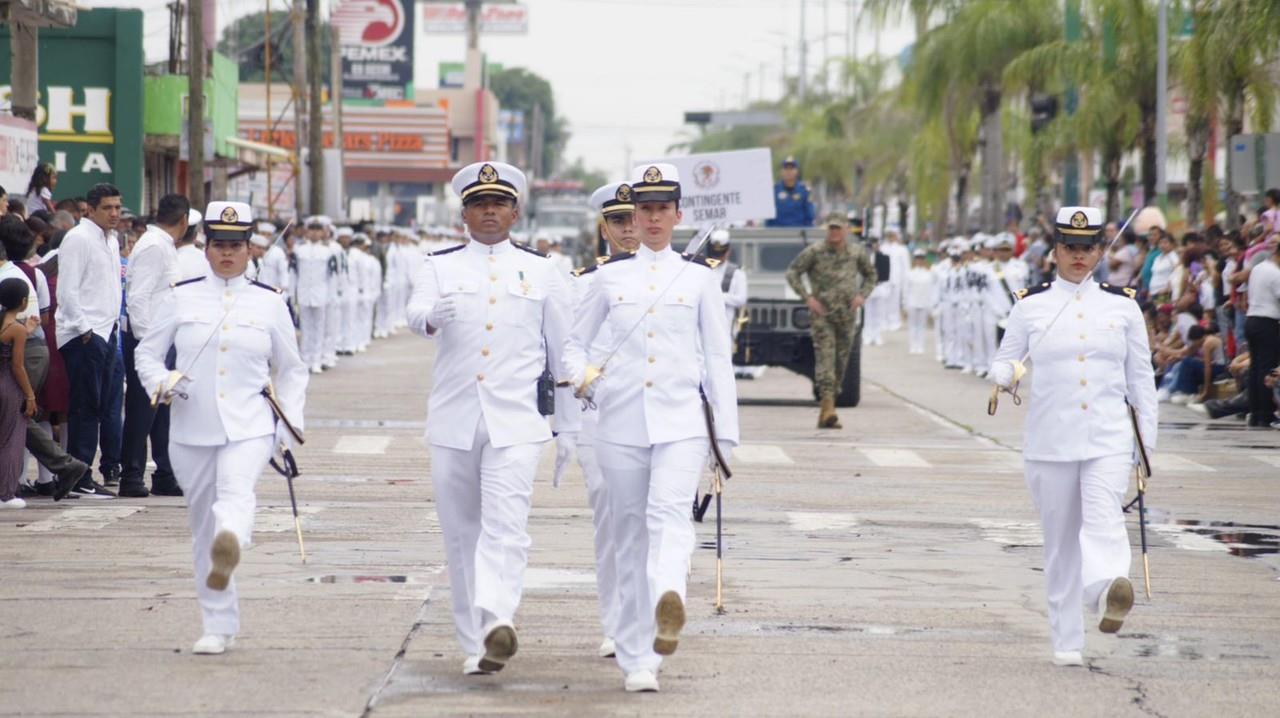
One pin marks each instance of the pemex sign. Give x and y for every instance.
(90, 115)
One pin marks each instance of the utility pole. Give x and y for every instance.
(24, 58)
(782, 76)
(315, 140)
(335, 85)
(297, 18)
(804, 54)
(195, 104)
(1071, 165)
(266, 71)
(1162, 104)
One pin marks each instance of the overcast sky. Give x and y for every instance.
(624, 72)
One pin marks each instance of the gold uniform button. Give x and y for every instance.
(1079, 316)
(488, 327)
(1080, 358)
(226, 327)
(484, 352)
(1082, 337)
(223, 348)
(652, 310)
(652, 288)
(493, 277)
(1084, 382)
(221, 395)
(1079, 298)
(492, 258)
(619, 297)
(479, 377)
(680, 299)
(222, 372)
(653, 267)
(1084, 407)
(650, 335)
(648, 384)
(493, 300)
(652, 359)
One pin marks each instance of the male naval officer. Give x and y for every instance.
(499, 312)
(662, 309)
(233, 338)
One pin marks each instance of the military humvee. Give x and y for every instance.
(776, 329)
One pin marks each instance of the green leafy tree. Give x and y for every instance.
(520, 90)
(245, 41)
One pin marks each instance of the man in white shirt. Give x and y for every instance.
(88, 310)
(191, 260)
(153, 268)
(312, 258)
(899, 265)
(1262, 331)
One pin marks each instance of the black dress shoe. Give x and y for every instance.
(165, 489)
(68, 481)
(133, 489)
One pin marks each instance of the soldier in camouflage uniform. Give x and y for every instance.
(840, 278)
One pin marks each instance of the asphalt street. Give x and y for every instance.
(890, 568)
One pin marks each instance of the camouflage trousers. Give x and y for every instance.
(833, 337)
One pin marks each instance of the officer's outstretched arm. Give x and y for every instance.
(289, 373)
(1139, 377)
(1004, 366)
(555, 332)
(426, 292)
(588, 316)
(150, 354)
(713, 332)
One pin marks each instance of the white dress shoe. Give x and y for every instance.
(225, 556)
(500, 645)
(608, 649)
(1068, 658)
(213, 644)
(471, 667)
(668, 616)
(1115, 604)
(641, 682)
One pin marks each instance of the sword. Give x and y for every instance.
(1143, 466)
(290, 471)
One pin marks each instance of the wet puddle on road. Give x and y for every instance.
(1261, 541)
(390, 578)
(1146, 645)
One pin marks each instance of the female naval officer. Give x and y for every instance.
(1088, 344)
(234, 338)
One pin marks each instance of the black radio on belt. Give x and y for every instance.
(546, 393)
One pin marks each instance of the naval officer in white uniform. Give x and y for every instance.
(615, 203)
(499, 313)
(233, 339)
(1079, 449)
(661, 308)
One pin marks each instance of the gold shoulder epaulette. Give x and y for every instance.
(1024, 293)
(1129, 292)
(699, 259)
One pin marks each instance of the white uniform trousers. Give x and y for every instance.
(1085, 541)
(347, 325)
(984, 344)
(893, 309)
(218, 482)
(966, 331)
(873, 317)
(917, 325)
(938, 343)
(952, 334)
(482, 502)
(364, 322)
(311, 322)
(603, 538)
(332, 333)
(382, 313)
(650, 490)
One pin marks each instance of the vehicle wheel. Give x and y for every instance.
(851, 389)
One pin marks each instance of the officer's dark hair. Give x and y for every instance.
(2, 192)
(13, 292)
(1273, 194)
(173, 208)
(68, 205)
(99, 192)
(16, 237)
(1195, 333)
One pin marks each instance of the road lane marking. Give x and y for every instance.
(1271, 460)
(279, 519)
(362, 444)
(1010, 533)
(820, 521)
(895, 458)
(1173, 462)
(761, 454)
(83, 518)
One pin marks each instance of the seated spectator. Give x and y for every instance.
(1205, 363)
(17, 208)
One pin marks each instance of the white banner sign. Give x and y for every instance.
(725, 187)
(451, 19)
(18, 154)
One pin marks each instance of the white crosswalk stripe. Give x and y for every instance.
(1173, 462)
(895, 458)
(362, 444)
(83, 518)
(761, 454)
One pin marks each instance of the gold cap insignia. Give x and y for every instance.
(488, 174)
(653, 174)
(1079, 221)
(230, 216)
(624, 193)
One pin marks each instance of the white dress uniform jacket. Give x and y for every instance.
(232, 338)
(313, 273)
(192, 262)
(735, 296)
(655, 372)
(491, 355)
(275, 269)
(1094, 359)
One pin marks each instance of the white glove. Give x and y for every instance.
(444, 312)
(174, 385)
(284, 439)
(566, 443)
(726, 450)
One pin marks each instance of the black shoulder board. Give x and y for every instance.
(621, 256)
(1024, 293)
(439, 252)
(277, 290)
(699, 259)
(1122, 291)
(187, 281)
(584, 270)
(529, 249)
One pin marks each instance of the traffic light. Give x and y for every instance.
(1043, 109)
